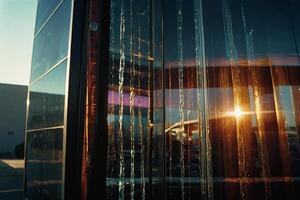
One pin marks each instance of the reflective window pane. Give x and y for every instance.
(51, 44)
(44, 164)
(44, 10)
(46, 102)
(129, 100)
(231, 100)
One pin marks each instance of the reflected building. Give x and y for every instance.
(154, 99)
(12, 121)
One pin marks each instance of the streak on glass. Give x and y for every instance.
(181, 95)
(121, 102)
(132, 102)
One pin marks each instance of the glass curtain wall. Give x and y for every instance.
(130, 100)
(231, 99)
(203, 100)
(46, 111)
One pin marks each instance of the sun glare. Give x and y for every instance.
(238, 112)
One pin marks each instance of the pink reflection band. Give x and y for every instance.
(113, 98)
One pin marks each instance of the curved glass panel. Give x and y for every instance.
(51, 44)
(44, 159)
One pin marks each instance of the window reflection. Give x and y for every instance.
(46, 102)
(129, 100)
(44, 164)
(45, 9)
(44, 159)
(224, 103)
(250, 143)
(51, 44)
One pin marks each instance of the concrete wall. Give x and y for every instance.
(12, 117)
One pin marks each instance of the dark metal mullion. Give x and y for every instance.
(97, 183)
(76, 102)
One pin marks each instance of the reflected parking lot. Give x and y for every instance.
(11, 179)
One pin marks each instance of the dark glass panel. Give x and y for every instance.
(51, 44)
(46, 99)
(227, 117)
(252, 124)
(44, 160)
(44, 10)
(129, 100)
(184, 104)
(231, 99)
(156, 139)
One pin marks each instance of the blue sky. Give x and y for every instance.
(17, 19)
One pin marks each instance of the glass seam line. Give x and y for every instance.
(11, 190)
(47, 20)
(45, 129)
(48, 71)
(66, 99)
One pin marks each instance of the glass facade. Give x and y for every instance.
(45, 140)
(201, 101)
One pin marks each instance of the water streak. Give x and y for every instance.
(280, 116)
(205, 165)
(131, 109)
(255, 83)
(141, 127)
(121, 100)
(232, 55)
(181, 95)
